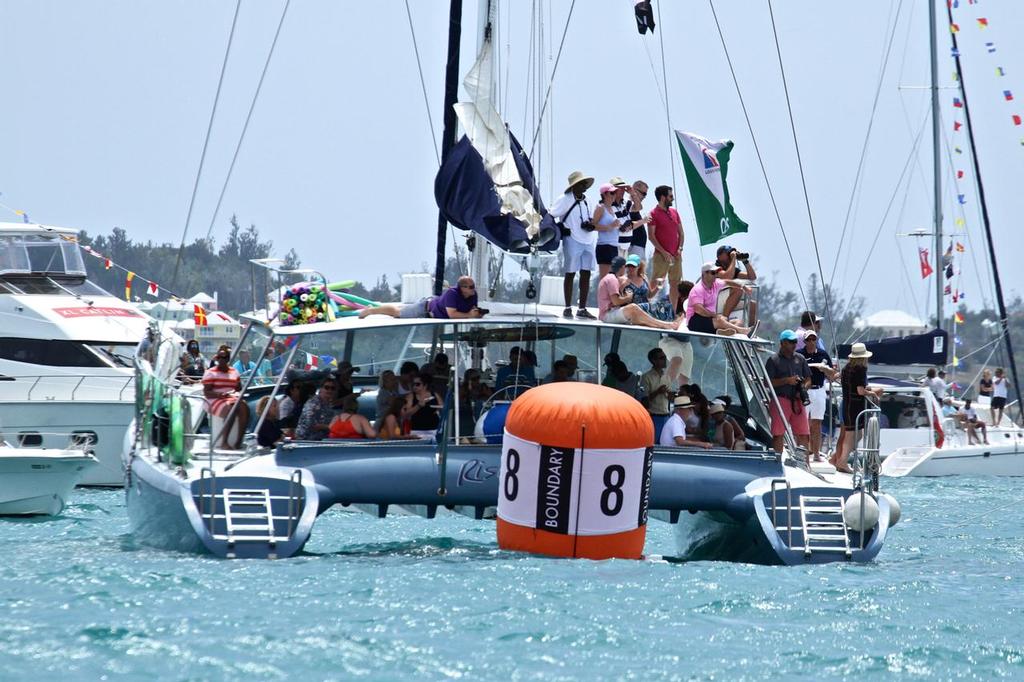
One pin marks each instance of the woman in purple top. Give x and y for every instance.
(460, 301)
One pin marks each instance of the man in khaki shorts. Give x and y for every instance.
(666, 235)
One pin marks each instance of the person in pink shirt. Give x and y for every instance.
(702, 305)
(615, 308)
(666, 235)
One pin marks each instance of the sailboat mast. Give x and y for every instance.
(1004, 320)
(451, 96)
(937, 162)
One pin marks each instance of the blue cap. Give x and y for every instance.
(787, 335)
(633, 259)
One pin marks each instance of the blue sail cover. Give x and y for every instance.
(917, 349)
(466, 197)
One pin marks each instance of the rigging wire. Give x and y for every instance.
(867, 137)
(760, 159)
(885, 216)
(248, 118)
(206, 145)
(423, 82)
(551, 81)
(803, 179)
(668, 116)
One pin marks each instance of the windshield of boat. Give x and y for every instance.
(119, 354)
(252, 345)
(53, 254)
(50, 286)
(490, 348)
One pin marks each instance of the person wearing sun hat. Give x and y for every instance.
(579, 241)
(674, 431)
(789, 374)
(854, 380)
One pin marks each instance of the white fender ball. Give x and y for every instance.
(895, 512)
(852, 512)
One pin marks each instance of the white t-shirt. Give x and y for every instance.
(574, 219)
(938, 387)
(673, 427)
(999, 387)
(969, 413)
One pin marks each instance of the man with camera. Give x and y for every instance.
(734, 264)
(457, 302)
(791, 377)
(579, 241)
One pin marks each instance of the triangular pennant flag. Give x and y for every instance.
(982, 22)
(960, 247)
(128, 285)
(961, 198)
(1016, 120)
(958, 317)
(959, 174)
(1007, 95)
(957, 125)
(107, 264)
(954, 28)
(153, 289)
(199, 315)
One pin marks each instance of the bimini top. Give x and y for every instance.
(32, 249)
(501, 313)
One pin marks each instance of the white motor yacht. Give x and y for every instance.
(66, 350)
(38, 481)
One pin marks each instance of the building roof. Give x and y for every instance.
(890, 319)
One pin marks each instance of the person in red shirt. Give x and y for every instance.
(666, 235)
(221, 388)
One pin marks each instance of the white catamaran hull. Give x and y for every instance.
(1006, 459)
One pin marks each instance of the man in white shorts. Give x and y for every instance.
(579, 241)
(822, 370)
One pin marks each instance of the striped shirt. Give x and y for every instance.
(221, 382)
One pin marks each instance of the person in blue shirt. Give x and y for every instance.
(244, 364)
(518, 372)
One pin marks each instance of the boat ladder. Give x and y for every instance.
(824, 528)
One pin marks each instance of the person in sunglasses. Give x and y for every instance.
(317, 413)
(459, 301)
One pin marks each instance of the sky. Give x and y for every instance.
(106, 106)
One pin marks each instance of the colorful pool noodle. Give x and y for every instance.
(342, 301)
(341, 286)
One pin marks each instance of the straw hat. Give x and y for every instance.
(859, 350)
(576, 177)
(682, 401)
(715, 408)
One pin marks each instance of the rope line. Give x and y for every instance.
(206, 145)
(760, 159)
(248, 118)
(423, 82)
(668, 116)
(803, 180)
(551, 81)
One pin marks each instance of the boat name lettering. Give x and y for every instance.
(96, 311)
(476, 471)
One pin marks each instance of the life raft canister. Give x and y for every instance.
(575, 473)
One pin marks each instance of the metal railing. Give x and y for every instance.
(27, 388)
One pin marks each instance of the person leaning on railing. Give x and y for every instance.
(854, 380)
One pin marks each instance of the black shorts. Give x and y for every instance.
(699, 323)
(605, 253)
(998, 403)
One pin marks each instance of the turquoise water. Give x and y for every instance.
(404, 597)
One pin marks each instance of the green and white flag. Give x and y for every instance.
(706, 165)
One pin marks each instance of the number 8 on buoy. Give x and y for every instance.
(575, 473)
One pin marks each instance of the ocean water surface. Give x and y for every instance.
(404, 597)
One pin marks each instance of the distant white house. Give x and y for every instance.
(220, 327)
(892, 323)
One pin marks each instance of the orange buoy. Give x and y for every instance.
(575, 473)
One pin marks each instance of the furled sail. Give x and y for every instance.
(486, 183)
(916, 349)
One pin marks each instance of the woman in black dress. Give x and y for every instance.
(854, 380)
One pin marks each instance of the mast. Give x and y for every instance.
(937, 161)
(451, 96)
(1004, 320)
